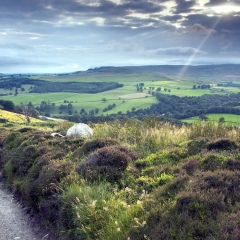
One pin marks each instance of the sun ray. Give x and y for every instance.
(190, 59)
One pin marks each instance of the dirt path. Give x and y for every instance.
(14, 223)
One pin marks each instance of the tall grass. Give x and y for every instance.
(212, 129)
(142, 137)
(101, 211)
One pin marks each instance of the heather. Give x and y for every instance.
(131, 180)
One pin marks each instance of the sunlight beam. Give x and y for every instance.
(190, 59)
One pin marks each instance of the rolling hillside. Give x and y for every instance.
(14, 117)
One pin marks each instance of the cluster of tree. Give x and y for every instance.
(202, 86)
(45, 107)
(78, 87)
(42, 86)
(10, 83)
(66, 108)
(228, 84)
(27, 110)
(7, 105)
(185, 107)
(109, 107)
(140, 87)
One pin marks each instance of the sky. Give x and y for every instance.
(57, 36)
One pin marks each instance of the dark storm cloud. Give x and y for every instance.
(184, 6)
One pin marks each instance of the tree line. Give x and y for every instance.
(42, 86)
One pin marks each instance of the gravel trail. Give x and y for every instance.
(15, 224)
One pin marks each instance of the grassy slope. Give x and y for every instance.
(15, 117)
(230, 119)
(154, 181)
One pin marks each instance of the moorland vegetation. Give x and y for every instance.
(132, 180)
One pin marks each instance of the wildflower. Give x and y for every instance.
(105, 209)
(136, 219)
(118, 229)
(139, 202)
(93, 203)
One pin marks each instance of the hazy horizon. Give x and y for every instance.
(60, 36)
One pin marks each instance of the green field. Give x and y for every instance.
(125, 98)
(230, 119)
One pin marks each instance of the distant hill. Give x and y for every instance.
(170, 70)
(200, 70)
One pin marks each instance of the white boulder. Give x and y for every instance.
(79, 130)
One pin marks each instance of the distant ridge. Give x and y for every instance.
(108, 69)
(202, 70)
(171, 70)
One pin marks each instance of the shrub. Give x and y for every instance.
(109, 162)
(213, 162)
(191, 166)
(222, 144)
(50, 177)
(92, 145)
(196, 146)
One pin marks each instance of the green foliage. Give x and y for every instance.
(149, 183)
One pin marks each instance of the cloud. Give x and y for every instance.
(125, 47)
(15, 46)
(221, 2)
(97, 32)
(199, 29)
(184, 6)
(180, 51)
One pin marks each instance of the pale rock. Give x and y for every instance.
(57, 135)
(79, 130)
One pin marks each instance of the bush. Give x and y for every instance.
(108, 162)
(92, 145)
(191, 166)
(222, 144)
(213, 162)
(196, 146)
(50, 177)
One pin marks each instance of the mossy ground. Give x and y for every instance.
(132, 180)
